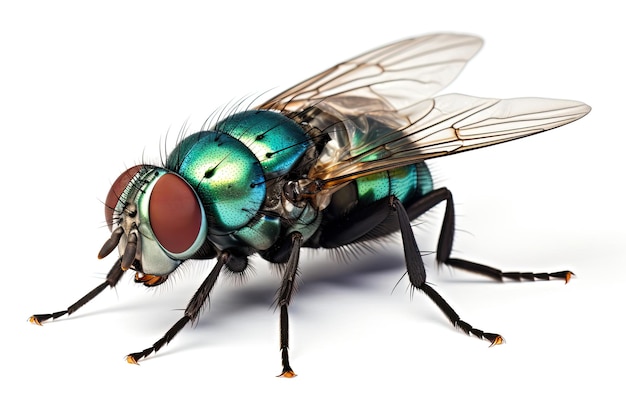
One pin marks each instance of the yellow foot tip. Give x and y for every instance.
(568, 276)
(131, 360)
(287, 374)
(497, 341)
(35, 320)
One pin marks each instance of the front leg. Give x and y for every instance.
(191, 312)
(113, 277)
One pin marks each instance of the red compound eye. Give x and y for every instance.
(175, 214)
(116, 191)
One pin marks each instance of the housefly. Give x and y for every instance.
(335, 161)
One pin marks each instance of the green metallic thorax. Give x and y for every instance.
(236, 168)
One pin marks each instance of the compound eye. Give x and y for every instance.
(116, 192)
(176, 217)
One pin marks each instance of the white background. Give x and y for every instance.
(86, 91)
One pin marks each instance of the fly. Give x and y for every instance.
(337, 160)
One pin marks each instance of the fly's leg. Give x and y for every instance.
(417, 276)
(112, 279)
(191, 312)
(446, 237)
(284, 297)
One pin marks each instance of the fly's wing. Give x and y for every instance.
(441, 126)
(379, 111)
(394, 76)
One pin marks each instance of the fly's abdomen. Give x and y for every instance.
(361, 211)
(406, 183)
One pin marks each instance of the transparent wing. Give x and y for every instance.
(379, 112)
(435, 127)
(394, 76)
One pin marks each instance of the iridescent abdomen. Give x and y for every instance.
(406, 183)
(361, 210)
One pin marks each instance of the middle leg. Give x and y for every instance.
(284, 297)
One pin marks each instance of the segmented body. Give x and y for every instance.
(336, 160)
(241, 167)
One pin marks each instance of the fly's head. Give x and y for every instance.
(157, 222)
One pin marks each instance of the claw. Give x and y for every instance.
(131, 359)
(287, 374)
(35, 320)
(498, 340)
